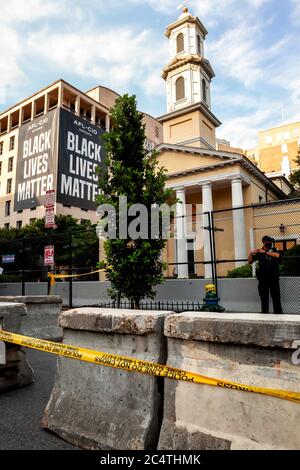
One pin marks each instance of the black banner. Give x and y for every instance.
(35, 173)
(80, 153)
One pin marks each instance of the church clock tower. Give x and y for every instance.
(188, 78)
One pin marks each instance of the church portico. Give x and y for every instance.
(197, 199)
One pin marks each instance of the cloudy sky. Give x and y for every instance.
(253, 45)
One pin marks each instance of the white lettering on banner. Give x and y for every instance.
(75, 187)
(36, 166)
(40, 143)
(86, 148)
(80, 167)
(34, 188)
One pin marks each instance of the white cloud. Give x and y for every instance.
(295, 15)
(27, 11)
(116, 56)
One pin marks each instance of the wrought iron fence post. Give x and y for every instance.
(214, 249)
(48, 267)
(211, 231)
(70, 271)
(23, 266)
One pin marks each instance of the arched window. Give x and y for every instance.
(204, 94)
(198, 44)
(180, 43)
(180, 92)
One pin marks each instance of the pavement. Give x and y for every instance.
(21, 411)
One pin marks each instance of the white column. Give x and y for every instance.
(239, 232)
(107, 122)
(77, 105)
(207, 206)
(46, 103)
(93, 114)
(60, 95)
(33, 110)
(182, 269)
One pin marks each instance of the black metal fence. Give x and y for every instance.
(228, 236)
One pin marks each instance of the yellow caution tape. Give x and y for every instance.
(63, 276)
(137, 365)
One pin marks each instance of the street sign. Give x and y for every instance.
(49, 255)
(50, 209)
(50, 218)
(7, 259)
(50, 199)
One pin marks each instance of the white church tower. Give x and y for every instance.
(188, 78)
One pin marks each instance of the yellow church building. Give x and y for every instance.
(198, 172)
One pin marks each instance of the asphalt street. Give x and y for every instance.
(21, 410)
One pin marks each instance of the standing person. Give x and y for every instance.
(267, 274)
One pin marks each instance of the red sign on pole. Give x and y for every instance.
(50, 209)
(50, 199)
(49, 255)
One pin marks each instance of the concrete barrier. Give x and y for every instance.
(96, 407)
(41, 317)
(248, 348)
(15, 372)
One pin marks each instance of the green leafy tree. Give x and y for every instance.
(28, 246)
(134, 267)
(295, 178)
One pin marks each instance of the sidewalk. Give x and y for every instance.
(21, 410)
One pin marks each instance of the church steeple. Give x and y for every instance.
(189, 119)
(188, 74)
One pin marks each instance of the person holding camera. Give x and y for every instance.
(267, 274)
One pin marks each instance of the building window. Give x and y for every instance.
(204, 94)
(83, 221)
(284, 245)
(6, 226)
(7, 208)
(19, 224)
(1, 147)
(20, 212)
(10, 164)
(8, 186)
(296, 133)
(33, 208)
(191, 257)
(157, 132)
(198, 44)
(12, 143)
(0, 168)
(84, 210)
(31, 221)
(180, 43)
(180, 92)
(284, 148)
(287, 135)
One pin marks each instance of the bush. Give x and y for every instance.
(242, 272)
(5, 278)
(290, 263)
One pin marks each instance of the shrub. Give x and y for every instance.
(242, 272)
